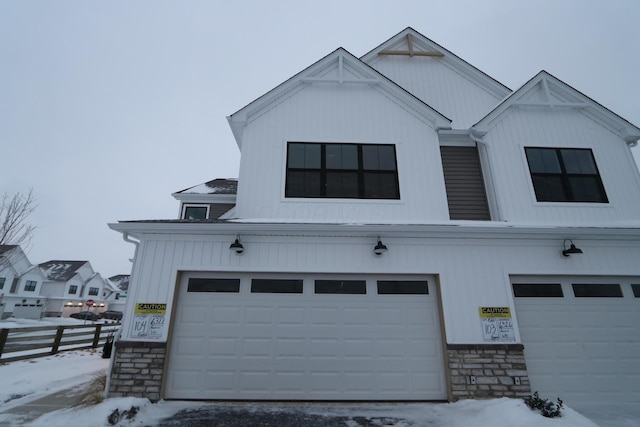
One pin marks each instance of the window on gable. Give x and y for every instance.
(2, 280)
(73, 289)
(195, 212)
(342, 171)
(565, 175)
(30, 286)
(93, 291)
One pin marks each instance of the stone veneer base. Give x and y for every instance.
(137, 369)
(498, 370)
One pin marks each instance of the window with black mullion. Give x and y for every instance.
(565, 175)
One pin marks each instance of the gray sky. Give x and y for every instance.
(107, 107)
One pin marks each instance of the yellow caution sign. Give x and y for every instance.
(488, 312)
(148, 308)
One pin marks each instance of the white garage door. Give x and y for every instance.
(581, 337)
(306, 338)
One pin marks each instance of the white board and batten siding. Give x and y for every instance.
(332, 113)
(562, 128)
(483, 282)
(453, 94)
(581, 345)
(241, 344)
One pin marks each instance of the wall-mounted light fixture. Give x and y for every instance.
(236, 246)
(571, 250)
(69, 304)
(380, 248)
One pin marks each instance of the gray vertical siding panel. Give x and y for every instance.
(466, 194)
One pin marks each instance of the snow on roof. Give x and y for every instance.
(121, 281)
(215, 186)
(60, 270)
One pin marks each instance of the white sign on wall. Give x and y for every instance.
(148, 320)
(497, 324)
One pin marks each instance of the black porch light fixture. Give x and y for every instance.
(236, 246)
(380, 248)
(571, 250)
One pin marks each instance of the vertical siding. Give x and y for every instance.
(430, 79)
(340, 113)
(466, 194)
(560, 128)
(483, 281)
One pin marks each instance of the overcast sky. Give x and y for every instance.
(108, 107)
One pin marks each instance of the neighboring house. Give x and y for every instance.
(405, 227)
(69, 284)
(20, 285)
(117, 296)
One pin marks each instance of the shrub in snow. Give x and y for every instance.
(127, 414)
(547, 408)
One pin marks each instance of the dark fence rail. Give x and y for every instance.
(28, 343)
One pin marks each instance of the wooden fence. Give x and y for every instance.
(28, 343)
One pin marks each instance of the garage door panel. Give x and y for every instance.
(307, 346)
(582, 349)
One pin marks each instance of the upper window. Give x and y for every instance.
(94, 291)
(2, 280)
(73, 289)
(30, 286)
(565, 175)
(342, 171)
(195, 212)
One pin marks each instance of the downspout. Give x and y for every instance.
(107, 385)
(483, 146)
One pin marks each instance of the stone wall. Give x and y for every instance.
(137, 369)
(481, 371)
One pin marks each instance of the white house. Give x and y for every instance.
(69, 285)
(20, 285)
(404, 228)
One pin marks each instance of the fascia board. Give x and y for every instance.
(453, 230)
(204, 198)
(449, 59)
(242, 117)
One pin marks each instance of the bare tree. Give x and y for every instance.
(14, 212)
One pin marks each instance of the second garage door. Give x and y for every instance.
(581, 337)
(269, 337)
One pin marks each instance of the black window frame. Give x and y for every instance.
(597, 290)
(537, 290)
(341, 287)
(277, 286)
(367, 183)
(30, 285)
(566, 181)
(213, 284)
(402, 287)
(93, 291)
(73, 289)
(2, 282)
(635, 288)
(186, 207)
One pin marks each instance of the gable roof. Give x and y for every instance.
(547, 91)
(60, 271)
(215, 186)
(120, 281)
(412, 42)
(7, 248)
(339, 67)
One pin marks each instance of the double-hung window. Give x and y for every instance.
(93, 291)
(342, 171)
(565, 175)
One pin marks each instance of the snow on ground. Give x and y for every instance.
(25, 381)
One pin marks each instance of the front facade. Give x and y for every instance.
(69, 285)
(403, 227)
(20, 285)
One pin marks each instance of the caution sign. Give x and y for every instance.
(146, 308)
(148, 320)
(497, 324)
